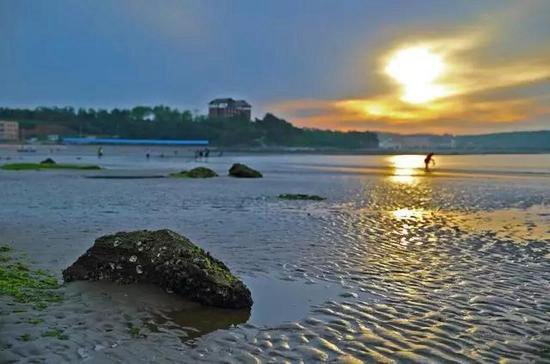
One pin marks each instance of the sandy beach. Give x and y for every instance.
(396, 264)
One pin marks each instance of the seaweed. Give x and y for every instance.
(199, 172)
(25, 337)
(300, 196)
(56, 333)
(26, 285)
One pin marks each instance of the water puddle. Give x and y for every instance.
(148, 307)
(277, 301)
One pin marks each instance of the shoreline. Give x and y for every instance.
(294, 150)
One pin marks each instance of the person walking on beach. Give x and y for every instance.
(429, 159)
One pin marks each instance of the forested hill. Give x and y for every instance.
(519, 140)
(162, 122)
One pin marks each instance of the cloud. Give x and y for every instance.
(478, 90)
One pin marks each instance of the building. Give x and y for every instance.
(229, 108)
(9, 130)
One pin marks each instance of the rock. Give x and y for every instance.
(243, 171)
(300, 196)
(48, 161)
(199, 172)
(163, 258)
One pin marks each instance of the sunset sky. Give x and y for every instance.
(401, 66)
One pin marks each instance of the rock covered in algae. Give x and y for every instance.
(48, 161)
(163, 258)
(199, 172)
(300, 196)
(243, 171)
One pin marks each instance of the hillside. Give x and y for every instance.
(161, 122)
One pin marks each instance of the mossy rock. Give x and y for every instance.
(243, 171)
(163, 258)
(38, 166)
(48, 161)
(199, 172)
(300, 196)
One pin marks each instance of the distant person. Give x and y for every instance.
(429, 159)
(99, 152)
(206, 152)
(147, 155)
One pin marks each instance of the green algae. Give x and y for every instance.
(35, 321)
(25, 337)
(25, 285)
(39, 166)
(135, 331)
(300, 196)
(210, 264)
(199, 172)
(55, 333)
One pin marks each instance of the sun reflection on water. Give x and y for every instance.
(409, 180)
(406, 213)
(405, 168)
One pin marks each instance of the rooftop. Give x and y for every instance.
(229, 100)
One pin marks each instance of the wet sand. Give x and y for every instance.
(397, 265)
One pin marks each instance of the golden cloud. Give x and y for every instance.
(437, 85)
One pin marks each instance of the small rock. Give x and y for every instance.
(243, 171)
(300, 196)
(48, 161)
(199, 172)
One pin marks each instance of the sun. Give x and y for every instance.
(417, 69)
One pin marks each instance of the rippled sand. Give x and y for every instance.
(392, 267)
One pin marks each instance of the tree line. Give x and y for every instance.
(163, 122)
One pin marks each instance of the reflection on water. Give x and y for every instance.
(405, 168)
(407, 213)
(147, 307)
(403, 179)
(199, 320)
(519, 225)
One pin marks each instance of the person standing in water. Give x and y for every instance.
(99, 152)
(429, 159)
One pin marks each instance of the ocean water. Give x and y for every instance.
(396, 265)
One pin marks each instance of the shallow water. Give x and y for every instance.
(397, 265)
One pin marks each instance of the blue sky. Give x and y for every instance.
(184, 53)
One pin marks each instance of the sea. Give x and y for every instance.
(396, 265)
